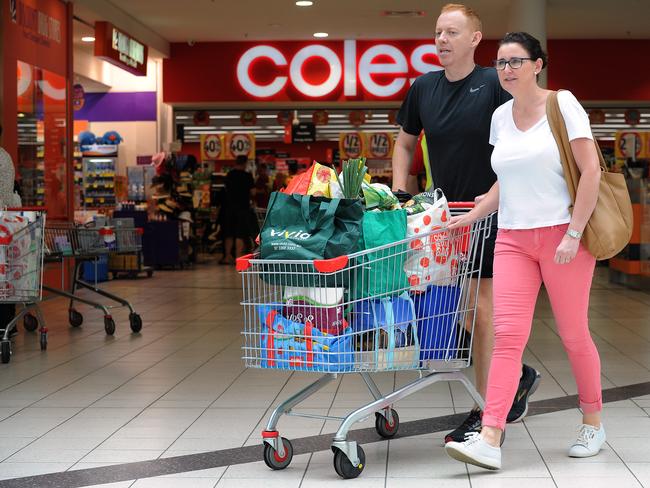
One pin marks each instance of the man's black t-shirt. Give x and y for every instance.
(455, 116)
(238, 188)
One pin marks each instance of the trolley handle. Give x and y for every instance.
(461, 205)
(331, 265)
(27, 209)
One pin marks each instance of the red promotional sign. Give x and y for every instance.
(320, 117)
(248, 118)
(297, 71)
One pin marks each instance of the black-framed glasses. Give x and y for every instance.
(514, 63)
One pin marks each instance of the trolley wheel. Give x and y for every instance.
(149, 273)
(30, 322)
(5, 350)
(382, 426)
(136, 322)
(75, 318)
(109, 325)
(273, 460)
(343, 466)
(43, 341)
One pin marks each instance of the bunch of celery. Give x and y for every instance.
(354, 170)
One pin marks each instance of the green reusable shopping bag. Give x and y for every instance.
(299, 227)
(382, 273)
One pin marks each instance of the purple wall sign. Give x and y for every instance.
(118, 107)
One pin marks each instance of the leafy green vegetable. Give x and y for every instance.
(354, 170)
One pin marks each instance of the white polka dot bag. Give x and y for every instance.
(432, 256)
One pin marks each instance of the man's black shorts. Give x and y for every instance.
(488, 251)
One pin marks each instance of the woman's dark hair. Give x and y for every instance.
(529, 43)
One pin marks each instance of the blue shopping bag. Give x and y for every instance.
(286, 344)
(396, 317)
(437, 314)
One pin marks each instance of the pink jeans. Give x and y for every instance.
(523, 259)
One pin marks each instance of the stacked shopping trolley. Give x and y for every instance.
(405, 298)
(26, 243)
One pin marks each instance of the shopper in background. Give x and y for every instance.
(454, 107)
(8, 198)
(262, 183)
(538, 242)
(236, 211)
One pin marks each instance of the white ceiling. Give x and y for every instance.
(222, 20)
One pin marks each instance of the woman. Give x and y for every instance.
(8, 198)
(538, 241)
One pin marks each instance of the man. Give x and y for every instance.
(236, 211)
(454, 108)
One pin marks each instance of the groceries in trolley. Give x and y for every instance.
(357, 282)
(21, 240)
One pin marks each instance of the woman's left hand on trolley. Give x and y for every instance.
(462, 220)
(567, 250)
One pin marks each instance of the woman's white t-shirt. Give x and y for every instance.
(532, 189)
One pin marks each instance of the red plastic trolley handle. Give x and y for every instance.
(461, 204)
(139, 231)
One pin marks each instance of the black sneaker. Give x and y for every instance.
(471, 424)
(528, 383)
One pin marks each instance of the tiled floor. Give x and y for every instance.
(181, 388)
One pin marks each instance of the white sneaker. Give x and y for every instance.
(589, 442)
(475, 450)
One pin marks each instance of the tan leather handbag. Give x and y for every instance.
(610, 226)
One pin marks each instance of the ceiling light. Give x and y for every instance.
(320, 34)
(304, 3)
(88, 39)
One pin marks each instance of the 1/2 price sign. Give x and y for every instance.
(629, 144)
(211, 147)
(379, 145)
(351, 145)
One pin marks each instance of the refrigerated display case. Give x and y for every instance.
(99, 181)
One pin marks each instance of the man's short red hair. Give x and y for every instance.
(468, 12)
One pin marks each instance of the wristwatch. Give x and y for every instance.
(574, 233)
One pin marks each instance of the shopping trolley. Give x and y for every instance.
(21, 268)
(409, 305)
(127, 256)
(65, 240)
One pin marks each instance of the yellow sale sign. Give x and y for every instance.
(351, 145)
(629, 144)
(240, 145)
(379, 145)
(211, 147)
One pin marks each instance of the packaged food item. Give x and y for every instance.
(320, 306)
(319, 184)
(379, 196)
(422, 201)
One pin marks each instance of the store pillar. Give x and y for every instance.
(530, 16)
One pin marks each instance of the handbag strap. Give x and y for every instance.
(559, 131)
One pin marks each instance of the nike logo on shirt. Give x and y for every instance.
(474, 90)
